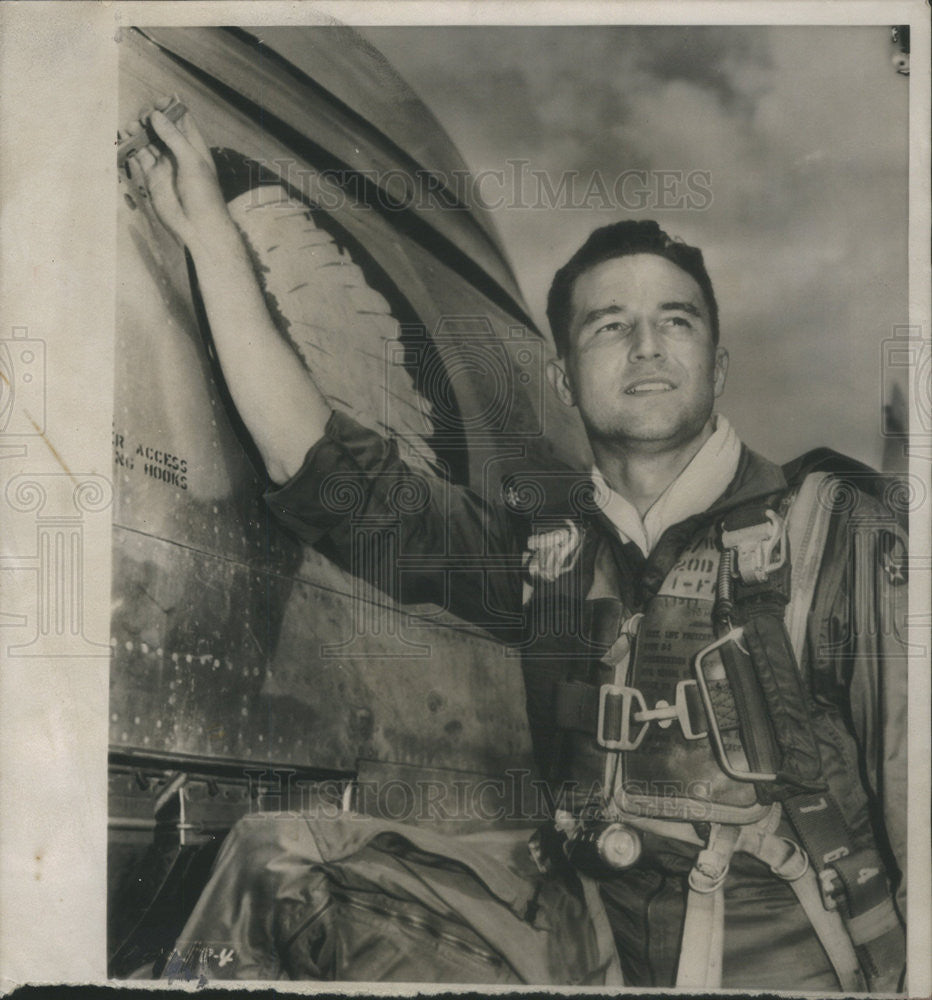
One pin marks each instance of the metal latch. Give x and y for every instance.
(716, 672)
(760, 548)
(830, 888)
(663, 714)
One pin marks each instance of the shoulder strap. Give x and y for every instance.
(807, 530)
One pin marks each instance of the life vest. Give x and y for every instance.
(693, 711)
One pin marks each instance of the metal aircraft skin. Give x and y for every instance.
(240, 655)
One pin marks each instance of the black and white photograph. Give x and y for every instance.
(469, 525)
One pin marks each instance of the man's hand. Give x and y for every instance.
(277, 399)
(178, 176)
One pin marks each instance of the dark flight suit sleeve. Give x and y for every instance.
(408, 532)
(878, 679)
(865, 669)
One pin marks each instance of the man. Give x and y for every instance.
(725, 736)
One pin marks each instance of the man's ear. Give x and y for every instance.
(560, 381)
(721, 370)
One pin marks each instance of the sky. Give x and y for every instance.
(780, 151)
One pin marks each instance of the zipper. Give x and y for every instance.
(305, 923)
(647, 937)
(419, 923)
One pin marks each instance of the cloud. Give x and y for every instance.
(731, 63)
(803, 133)
(570, 86)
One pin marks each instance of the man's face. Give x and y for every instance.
(642, 367)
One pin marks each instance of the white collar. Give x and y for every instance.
(703, 481)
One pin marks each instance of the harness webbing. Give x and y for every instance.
(807, 531)
(846, 893)
(831, 932)
(852, 882)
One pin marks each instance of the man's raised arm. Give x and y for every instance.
(287, 415)
(275, 396)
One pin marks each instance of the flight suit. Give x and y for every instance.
(571, 599)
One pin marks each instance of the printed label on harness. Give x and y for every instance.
(673, 630)
(666, 644)
(695, 573)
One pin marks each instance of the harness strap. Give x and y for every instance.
(790, 863)
(845, 894)
(576, 706)
(700, 962)
(848, 893)
(807, 530)
(701, 949)
(784, 697)
(830, 930)
(604, 937)
(852, 884)
(774, 720)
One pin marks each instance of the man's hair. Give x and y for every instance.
(621, 239)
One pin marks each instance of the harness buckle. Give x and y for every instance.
(830, 888)
(760, 548)
(711, 866)
(662, 713)
(629, 697)
(717, 673)
(794, 864)
(707, 875)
